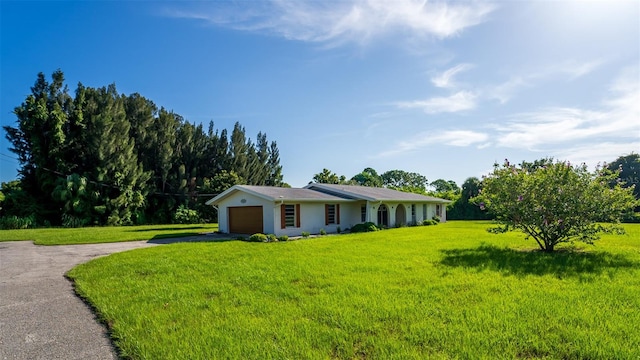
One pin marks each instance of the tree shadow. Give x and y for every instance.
(195, 227)
(188, 237)
(562, 264)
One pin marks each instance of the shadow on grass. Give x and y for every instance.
(168, 229)
(187, 237)
(562, 264)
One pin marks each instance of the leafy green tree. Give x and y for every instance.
(329, 177)
(368, 177)
(629, 168)
(275, 169)
(39, 140)
(442, 185)
(404, 181)
(556, 203)
(103, 157)
(463, 208)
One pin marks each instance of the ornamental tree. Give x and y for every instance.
(556, 202)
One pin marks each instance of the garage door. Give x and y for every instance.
(245, 220)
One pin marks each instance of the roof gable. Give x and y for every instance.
(273, 193)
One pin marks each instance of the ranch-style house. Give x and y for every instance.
(245, 209)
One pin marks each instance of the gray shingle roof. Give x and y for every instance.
(372, 193)
(279, 193)
(326, 193)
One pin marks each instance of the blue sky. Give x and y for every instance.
(441, 88)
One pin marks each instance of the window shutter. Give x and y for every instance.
(338, 214)
(282, 217)
(326, 214)
(297, 215)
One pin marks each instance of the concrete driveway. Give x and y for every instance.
(40, 315)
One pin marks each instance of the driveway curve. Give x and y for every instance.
(40, 315)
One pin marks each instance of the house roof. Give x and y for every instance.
(272, 193)
(372, 193)
(325, 193)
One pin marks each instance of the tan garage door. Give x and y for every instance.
(245, 220)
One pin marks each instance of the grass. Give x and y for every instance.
(92, 235)
(440, 292)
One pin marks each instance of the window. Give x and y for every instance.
(439, 210)
(413, 213)
(363, 213)
(331, 214)
(424, 211)
(289, 215)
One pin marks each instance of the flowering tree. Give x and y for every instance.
(555, 202)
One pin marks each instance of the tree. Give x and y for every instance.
(462, 208)
(442, 185)
(555, 204)
(629, 167)
(368, 177)
(328, 177)
(404, 181)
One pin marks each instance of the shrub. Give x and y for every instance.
(429, 222)
(258, 238)
(305, 234)
(283, 238)
(70, 221)
(272, 238)
(323, 232)
(15, 222)
(364, 227)
(436, 218)
(338, 229)
(240, 237)
(184, 215)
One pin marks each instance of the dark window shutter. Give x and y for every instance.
(297, 215)
(338, 214)
(326, 214)
(282, 217)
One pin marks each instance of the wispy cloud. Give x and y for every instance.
(460, 138)
(571, 70)
(460, 101)
(446, 78)
(617, 118)
(339, 22)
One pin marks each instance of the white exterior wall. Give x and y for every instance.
(236, 199)
(392, 206)
(312, 215)
(312, 219)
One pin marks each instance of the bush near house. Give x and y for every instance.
(364, 227)
(258, 238)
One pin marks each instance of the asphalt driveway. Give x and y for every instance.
(40, 315)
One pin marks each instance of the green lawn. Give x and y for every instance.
(438, 292)
(92, 235)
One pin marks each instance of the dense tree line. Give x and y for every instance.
(101, 157)
(463, 207)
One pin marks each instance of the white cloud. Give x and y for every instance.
(572, 69)
(459, 138)
(460, 101)
(592, 154)
(338, 22)
(446, 79)
(618, 118)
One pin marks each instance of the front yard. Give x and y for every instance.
(446, 291)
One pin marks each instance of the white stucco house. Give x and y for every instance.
(246, 209)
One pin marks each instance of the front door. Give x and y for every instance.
(383, 216)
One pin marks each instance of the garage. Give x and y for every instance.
(245, 220)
